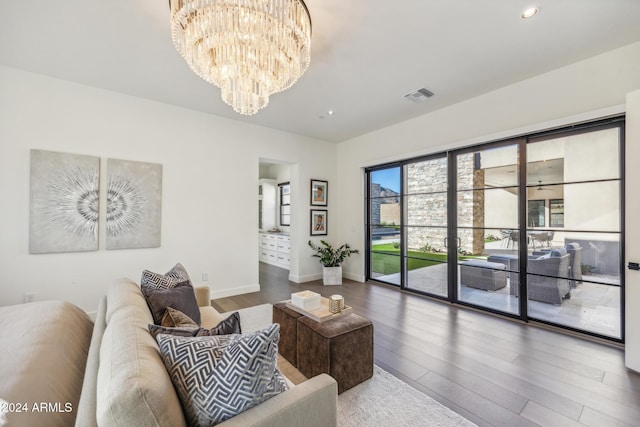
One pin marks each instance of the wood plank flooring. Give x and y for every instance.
(493, 371)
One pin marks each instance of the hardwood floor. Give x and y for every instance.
(490, 370)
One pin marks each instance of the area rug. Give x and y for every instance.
(384, 400)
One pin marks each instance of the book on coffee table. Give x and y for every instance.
(321, 314)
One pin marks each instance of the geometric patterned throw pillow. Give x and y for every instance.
(177, 274)
(219, 377)
(151, 280)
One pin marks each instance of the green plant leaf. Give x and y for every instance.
(330, 257)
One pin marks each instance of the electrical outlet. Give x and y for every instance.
(29, 297)
(205, 277)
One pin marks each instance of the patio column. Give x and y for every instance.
(478, 212)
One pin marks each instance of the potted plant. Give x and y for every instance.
(331, 260)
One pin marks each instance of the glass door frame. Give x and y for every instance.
(405, 285)
(369, 225)
(583, 128)
(520, 142)
(452, 221)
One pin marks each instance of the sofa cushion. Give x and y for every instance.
(181, 297)
(221, 376)
(484, 264)
(134, 388)
(43, 353)
(175, 318)
(558, 252)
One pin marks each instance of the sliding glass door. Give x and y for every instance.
(384, 224)
(487, 232)
(529, 227)
(574, 266)
(425, 226)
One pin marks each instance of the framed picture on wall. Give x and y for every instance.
(319, 191)
(318, 222)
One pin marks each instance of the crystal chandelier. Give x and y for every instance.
(250, 49)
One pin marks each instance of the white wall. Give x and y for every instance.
(632, 243)
(210, 175)
(584, 90)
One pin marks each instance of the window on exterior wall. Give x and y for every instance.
(535, 213)
(556, 213)
(284, 201)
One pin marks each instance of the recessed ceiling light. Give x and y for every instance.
(329, 113)
(528, 13)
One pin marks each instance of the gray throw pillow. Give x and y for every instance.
(181, 297)
(180, 273)
(221, 376)
(230, 325)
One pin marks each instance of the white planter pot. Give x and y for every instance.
(332, 275)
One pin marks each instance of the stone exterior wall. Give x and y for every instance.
(426, 199)
(375, 204)
(431, 209)
(427, 204)
(390, 213)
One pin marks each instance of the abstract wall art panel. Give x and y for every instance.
(64, 202)
(134, 204)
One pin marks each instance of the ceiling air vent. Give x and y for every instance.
(419, 95)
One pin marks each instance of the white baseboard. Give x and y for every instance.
(353, 276)
(303, 279)
(223, 293)
(318, 276)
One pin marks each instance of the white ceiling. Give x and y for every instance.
(366, 54)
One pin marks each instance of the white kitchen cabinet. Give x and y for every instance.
(275, 249)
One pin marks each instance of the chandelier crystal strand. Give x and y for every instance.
(250, 49)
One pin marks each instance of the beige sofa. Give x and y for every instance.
(125, 382)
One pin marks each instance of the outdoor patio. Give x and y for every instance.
(592, 306)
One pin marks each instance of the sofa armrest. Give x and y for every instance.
(254, 318)
(251, 318)
(203, 295)
(313, 403)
